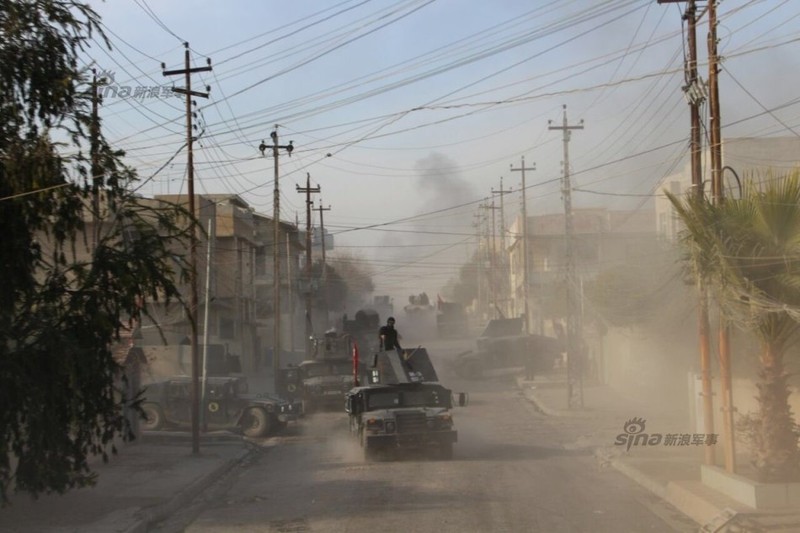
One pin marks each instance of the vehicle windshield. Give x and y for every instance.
(406, 398)
(328, 369)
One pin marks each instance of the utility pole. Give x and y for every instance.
(504, 276)
(695, 94)
(324, 264)
(187, 72)
(478, 229)
(575, 353)
(307, 190)
(97, 179)
(490, 252)
(525, 251)
(276, 252)
(726, 390)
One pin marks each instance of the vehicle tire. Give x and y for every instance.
(153, 417)
(255, 422)
(446, 451)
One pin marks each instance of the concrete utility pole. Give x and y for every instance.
(307, 190)
(324, 264)
(479, 279)
(575, 353)
(276, 252)
(525, 251)
(492, 252)
(505, 287)
(187, 71)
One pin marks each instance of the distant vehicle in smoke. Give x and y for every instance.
(504, 346)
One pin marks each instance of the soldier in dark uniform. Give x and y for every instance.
(389, 336)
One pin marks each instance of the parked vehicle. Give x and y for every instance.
(227, 405)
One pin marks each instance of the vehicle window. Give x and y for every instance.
(315, 371)
(178, 390)
(383, 400)
(342, 369)
(422, 398)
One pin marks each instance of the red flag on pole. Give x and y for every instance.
(355, 363)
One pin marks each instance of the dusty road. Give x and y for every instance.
(513, 470)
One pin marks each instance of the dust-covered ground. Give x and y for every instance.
(514, 470)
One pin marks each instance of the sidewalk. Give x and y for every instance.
(144, 483)
(673, 473)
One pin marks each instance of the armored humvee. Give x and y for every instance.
(402, 416)
(402, 406)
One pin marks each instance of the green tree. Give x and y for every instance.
(748, 252)
(65, 295)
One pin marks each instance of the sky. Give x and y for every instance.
(409, 114)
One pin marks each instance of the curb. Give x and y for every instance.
(157, 513)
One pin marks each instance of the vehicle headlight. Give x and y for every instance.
(445, 420)
(390, 426)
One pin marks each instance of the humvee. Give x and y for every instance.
(388, 417)
(227, 405)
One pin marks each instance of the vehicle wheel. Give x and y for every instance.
(446, 451)
(153, 417)
(255, 422)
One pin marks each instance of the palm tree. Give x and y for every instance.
(748, 252)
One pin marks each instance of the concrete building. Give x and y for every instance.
(603, 239)
(744, 157)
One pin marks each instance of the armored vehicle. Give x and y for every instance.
(402, 416)
(227, 405)
(504, 347)
(402, 406)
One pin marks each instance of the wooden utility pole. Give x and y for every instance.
(324, 264)
(276, 252)
(695, 93)
(726, 387)
(575, 353)
(187, 72)
(525, 251)
(307, 190)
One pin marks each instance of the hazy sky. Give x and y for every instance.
(425, 104)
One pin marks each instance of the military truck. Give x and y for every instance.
(402, 406)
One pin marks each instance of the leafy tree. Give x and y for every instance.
(748, 252)
(66, 291)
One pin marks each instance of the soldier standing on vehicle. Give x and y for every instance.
(389, 336)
